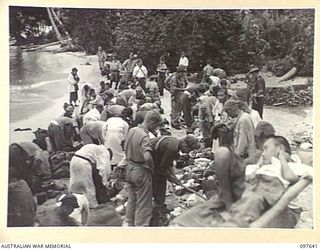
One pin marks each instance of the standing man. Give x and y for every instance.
(243, 134)
(139, 170)
(102, 56)
(72, 86)
(207, 72)
(115, 67)
(140, 74)
(165, 150)
(162, 73)
(258, 90)
(184, 60)
(128, 66)
(177, 84)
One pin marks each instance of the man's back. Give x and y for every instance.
(136, 144)
(244, 135)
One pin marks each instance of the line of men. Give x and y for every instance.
(133, 69)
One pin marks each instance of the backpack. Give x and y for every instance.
(60, 164)
(22, 166)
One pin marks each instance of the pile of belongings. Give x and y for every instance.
(195, 172)
(291, 96)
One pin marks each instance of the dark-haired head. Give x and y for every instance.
(280, 140)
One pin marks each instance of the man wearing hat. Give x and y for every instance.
(243, 135)
(165, 150)
(72, 86)
(177, 85)
(258, 90)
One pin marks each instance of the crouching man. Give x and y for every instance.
(165, 150)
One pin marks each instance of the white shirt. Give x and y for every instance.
(184, 61)
(70, 83)
(140, 72)
(273, 169)
(214, 80)
(83, 206)
(255, 117)
(92, 115)
(116, 125)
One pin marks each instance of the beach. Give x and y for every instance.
(287, 122)
(36, 105)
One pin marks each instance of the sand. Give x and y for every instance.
(286, 121)
(40, 116)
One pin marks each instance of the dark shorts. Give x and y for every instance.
(73, 97)
(115, 76)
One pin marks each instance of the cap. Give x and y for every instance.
(74, 69)
(264, 128)
(181, 68)
(69, 108)
(231, 104)
(192, 142)
(253, 70)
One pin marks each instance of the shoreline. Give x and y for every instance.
(40, 113)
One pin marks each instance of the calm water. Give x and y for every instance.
(36, 78)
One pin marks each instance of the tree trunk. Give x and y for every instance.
(54, 26)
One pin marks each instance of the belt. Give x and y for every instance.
(83, 158)
(137, 162)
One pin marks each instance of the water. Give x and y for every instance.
(36, 78)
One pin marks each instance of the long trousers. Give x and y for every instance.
(161, 79)
(258, 105)
(186, 107)
(176, 109)
(159, 183)
(139, 186)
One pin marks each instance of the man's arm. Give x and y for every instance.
(242, 144)
(146, 151)
(173, 83)
(135, 71)
(286, 171)
(124, 65)
(148, 159)
(146, 72)
(222, 174)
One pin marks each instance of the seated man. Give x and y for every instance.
(230, 174)
(267, 181)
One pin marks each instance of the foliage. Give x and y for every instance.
(281, 35)
(232, 39)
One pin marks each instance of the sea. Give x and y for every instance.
(36, 78)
